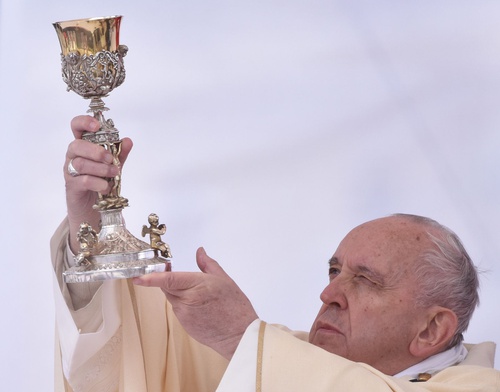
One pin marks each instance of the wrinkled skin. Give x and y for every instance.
(209, 304)
(369, 313)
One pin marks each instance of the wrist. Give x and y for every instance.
(228, 347)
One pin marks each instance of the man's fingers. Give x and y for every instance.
(82, 124)
(208, 265)
(93, 159)
(126, 148)
(174, 281)
(88, 167)
(171, 282)
(85, 183)
(88, 150)
(156, 279)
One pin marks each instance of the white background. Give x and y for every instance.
(264, 131)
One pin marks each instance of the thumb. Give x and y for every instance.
(208, 265)
(127, 145)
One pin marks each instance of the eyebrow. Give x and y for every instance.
(333, 262)
(360, 268)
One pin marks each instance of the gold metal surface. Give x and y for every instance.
(155, 231)
(92, 57)
(89, 36)
(87, 238)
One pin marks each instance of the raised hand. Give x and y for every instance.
(91, 165)
(209, 304)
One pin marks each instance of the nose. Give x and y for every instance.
(334, 294)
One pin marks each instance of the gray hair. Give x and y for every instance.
(446, 275)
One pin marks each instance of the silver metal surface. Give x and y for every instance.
(71, 169)
(117, 254)
(118, 270)
(94, 75)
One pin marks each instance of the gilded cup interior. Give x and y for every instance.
(89, 36)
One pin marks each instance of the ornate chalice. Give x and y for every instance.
(92, 66)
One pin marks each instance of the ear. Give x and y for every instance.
(435, 332)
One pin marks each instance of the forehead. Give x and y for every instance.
(387, 245)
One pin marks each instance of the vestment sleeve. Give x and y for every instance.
(240, 374)
(82, 333)
(111, 345)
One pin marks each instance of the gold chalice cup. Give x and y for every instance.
(92, 63)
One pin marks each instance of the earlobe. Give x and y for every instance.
(435, 333)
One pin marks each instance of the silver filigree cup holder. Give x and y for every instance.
(92, 66)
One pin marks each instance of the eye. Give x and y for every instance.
(364, 279)
(333, 272)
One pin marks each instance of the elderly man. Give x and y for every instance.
(401, 292)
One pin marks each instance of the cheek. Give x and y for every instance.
(372, 315)
(384, 324)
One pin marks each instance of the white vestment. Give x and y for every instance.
(285, 361)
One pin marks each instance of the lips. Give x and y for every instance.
(322, 326)
(328, 337)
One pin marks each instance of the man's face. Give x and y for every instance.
(368, 313)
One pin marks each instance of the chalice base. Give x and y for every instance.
(117, 254)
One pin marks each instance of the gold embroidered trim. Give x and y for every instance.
(424, 377)
(260, 352)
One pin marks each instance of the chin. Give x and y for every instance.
(329, 346)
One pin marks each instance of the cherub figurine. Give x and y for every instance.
(87, 237)
(113, 199)
(155, 231)
(116, 149)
